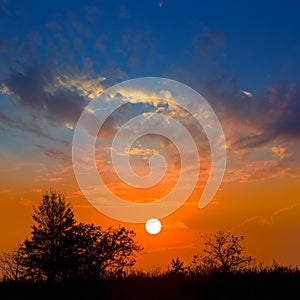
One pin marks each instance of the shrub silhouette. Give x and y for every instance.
(177, 266)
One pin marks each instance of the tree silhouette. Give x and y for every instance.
(223, 254)
(104, 252)
(50, 248)
(61, 249)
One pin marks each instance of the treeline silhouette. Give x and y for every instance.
(66, 259)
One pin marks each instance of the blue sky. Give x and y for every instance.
(242, 56)
(254, 42)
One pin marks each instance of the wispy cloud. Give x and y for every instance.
(23, 125)
(175, 225)
(5, 191)
(247, 93)
(268, 220)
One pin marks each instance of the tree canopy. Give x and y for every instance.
(61, 248)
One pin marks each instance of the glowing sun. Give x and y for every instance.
(153, 226)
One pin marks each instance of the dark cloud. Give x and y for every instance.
(264, 118)
(36, 89)
(279, 117)
(64, 106)
(56, 154)
(254, 141)
(282, 130)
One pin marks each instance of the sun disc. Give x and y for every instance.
(153, 226)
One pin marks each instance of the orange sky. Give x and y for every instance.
(265, 212)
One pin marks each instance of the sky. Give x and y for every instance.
(59, 57)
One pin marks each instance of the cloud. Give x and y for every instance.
(4, 89)
(55, 153)
(253, 141)
(142, 151)
(172, 246)
(51, 179)
(26, 202)
(287, 166)
(36, 190)
(280, 152)
(47, 91)
(268, 220)
(280, 117)
(85, 86)
(175, 225)
(247, 93)
(36, 89)
(23, 125)
(254, 122)
(5, 191)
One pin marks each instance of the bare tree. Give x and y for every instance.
(11, 265)
(222, 254)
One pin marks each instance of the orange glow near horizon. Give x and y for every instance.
(264, 226)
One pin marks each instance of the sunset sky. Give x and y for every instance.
(56, 57)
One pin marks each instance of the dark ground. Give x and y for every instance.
(245, 286)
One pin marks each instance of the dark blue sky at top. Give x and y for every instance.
(255, 42)
(53, 52)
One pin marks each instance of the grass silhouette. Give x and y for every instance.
(268, 283)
